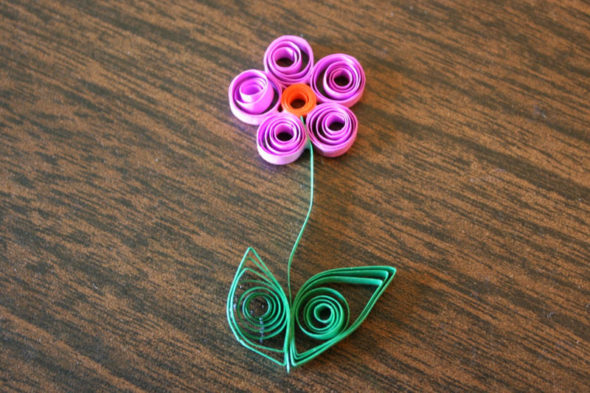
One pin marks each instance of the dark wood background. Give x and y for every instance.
(128, 194)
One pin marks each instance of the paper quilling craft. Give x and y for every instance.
(298, 105)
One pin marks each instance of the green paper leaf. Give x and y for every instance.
(258, 309)
(322, 313)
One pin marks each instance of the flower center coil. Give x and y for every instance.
(301, 93)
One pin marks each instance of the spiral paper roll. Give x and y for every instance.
(289, 59)
(281, 139)
(338, 78)
(324, 314)
(253, 95)
(332, 129)
(299, 92)
(271, 322)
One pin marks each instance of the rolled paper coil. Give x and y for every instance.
(289, 59)
(261, 327)
(322, 313)
(253, 95)
(281, 138)
(332, 129)
(301, 94)
(338, 78)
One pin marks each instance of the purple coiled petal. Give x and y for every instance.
(289, 59)
(281, 138)
(332, 129)
(253, 95)
(338, 78)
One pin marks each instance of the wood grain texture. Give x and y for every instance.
(128, 194)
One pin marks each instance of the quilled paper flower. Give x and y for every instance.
(297, 105)
(292, 83)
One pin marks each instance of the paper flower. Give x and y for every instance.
(292, 83)
(297, 105)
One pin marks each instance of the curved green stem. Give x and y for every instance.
(310, 147)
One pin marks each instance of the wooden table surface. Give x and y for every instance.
(128, 194)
